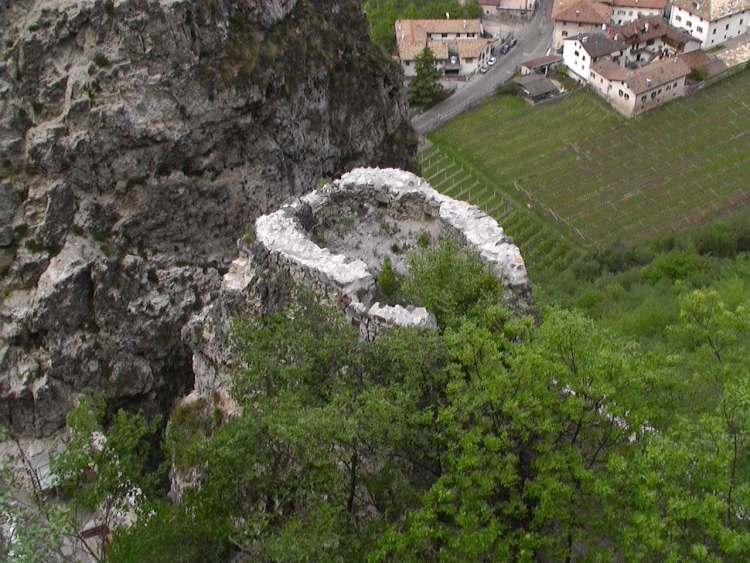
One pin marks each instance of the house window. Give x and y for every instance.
(714, 31)
(578, 54)
(601, 80)
(677, 19)
(653, 95)
(407, 63)
(649, 42)
(659, 92)
(741, 21)
(643, 98)
(727, 26)
(620, 93)
(564, 33)
(699, 29)
(591, 74)
(627, 96)
(444, 35)
(630, 13)
(689, 23)
(669, 88)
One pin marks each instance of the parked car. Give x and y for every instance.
(483, 69)
(492, 61)
(508, 45)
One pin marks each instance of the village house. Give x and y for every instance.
(583, 50)
(651, 38)
(573, 17)
(711, 21)
(458, 45)
(624, 11)
(633, 91)
(507, 7)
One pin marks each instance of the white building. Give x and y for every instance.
(624, 11)
(711, 21)
(458, 45)
(633, 91)
(651, 38)
(581, 51)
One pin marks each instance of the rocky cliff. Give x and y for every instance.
(139, 139)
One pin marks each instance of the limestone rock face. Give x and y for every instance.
(138, 140)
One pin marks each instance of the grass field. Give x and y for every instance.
(546, 250)
(603, 176)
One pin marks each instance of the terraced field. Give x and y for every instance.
(602, 176)
(545, 249)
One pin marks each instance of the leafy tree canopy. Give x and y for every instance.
(492, 438)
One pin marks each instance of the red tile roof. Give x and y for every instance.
(581, 11)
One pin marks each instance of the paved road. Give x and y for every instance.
(533, 41)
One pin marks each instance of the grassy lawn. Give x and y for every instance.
(610, 177)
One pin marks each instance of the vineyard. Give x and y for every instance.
(599, 177)
(545, 250)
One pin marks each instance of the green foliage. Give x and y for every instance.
(451, 284)
(698, 74)
(423, 88)
(189, 424)
(187, 533)
(99, 467)
(493, 438)
(32, 528)
(101, 61)
(31, 245)
(718, 239)
(676, 265)
(388, 282)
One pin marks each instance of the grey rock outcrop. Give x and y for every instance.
(138, 139)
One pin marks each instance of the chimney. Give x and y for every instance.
(645, 26)
(648, 82)
(447, 15)
(464, 23)
(578, 12)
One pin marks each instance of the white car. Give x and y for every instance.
(483, 69)
(492, 61)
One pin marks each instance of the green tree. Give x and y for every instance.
(530, 431)
(424, 89)
(388, 282)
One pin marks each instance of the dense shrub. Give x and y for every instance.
(676, 265)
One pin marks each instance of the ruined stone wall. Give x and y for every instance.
(283, 254)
